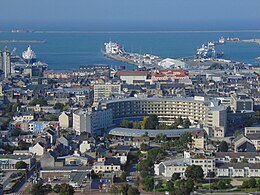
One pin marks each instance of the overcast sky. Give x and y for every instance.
(130, 14)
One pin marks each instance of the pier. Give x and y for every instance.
(22, 41)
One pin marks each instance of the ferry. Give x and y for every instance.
(29, 55)
(258, 58)
(221, 40)
(208, 51)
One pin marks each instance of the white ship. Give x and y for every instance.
(221, 40)
(113, 48)
(29, 55)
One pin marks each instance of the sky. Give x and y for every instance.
(123, 15)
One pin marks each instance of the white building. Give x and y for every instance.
(92, 122)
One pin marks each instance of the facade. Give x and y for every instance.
(92, 122)
(252, 130)
(103, 91)
(208, 113)
(131, 76)
(64, 120)
(38, 149)
(108, 165)
(179, 165)
(8, 161)
(198, 140)
(241, 103)
(238, 170)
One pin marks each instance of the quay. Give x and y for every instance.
(22, 41)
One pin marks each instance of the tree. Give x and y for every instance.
(59, 106)
(244, 160)
(223, 146)
(179, 121)
(133, 191)
(41, 101)
(176, 176)
(160, 138)
(233, 160)
(237, 133)
(16, 132)
(148, 184)
(56, 188)
(51, 117)
(194, 172)
(136, 125)
(124, 124)
(152, 122)
(123, 176)
(186, 123)
(66, 189)
(124, 188)
(170, 186)
(21, 165)
(22, 145)
(184, 140)
(37, 189)
(251, 183)
(144, 147)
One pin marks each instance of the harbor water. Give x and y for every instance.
(69, 50)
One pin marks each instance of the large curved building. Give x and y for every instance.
(207, 112)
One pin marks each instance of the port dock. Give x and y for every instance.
(22, 41)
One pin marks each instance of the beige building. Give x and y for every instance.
(108, 165)
(38, 149)
(104, 91)
(64, 120)
(198, 140)
(199, 110)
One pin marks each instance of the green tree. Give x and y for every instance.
(179, 121)
(160, 138)
(223, 146)
(186, 123)
(251, 183)
(237, 133)
(41, 101)
(148, 184)
(124, 188)
(114, 189)
(123, 176)
(66, 189)
(233, 160)
(16, 132)
(194, 172)
(56, 188)
(244, 160)
(152, 122)
(38, 189)
(47, 188)
(185, 140)
(59, 106)
(22, 145)
(136, 125)
(5, 125)
(133, 191)
(170, 186)
(20, 165)
(176, 176)
(51, 117)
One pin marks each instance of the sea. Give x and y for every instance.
(71, 49)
